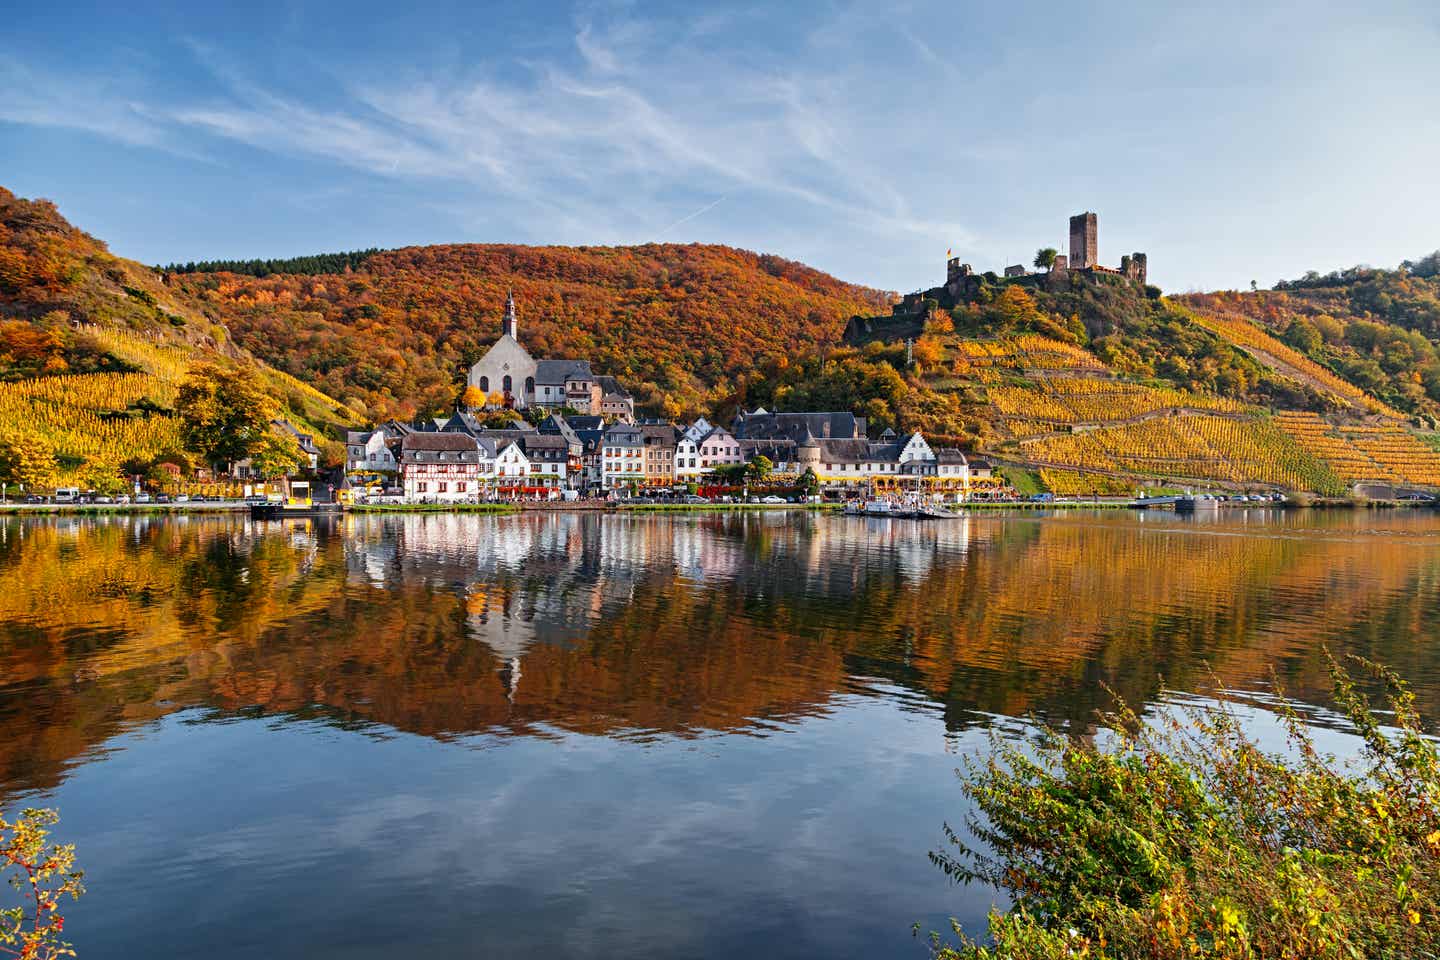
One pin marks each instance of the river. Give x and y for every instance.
(573, 735)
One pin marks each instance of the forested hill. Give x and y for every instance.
(93, 347)
(1377, 329)
(679, 324)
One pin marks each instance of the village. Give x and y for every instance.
(589, 444)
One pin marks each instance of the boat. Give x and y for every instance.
(1196, 504)
(297, 504)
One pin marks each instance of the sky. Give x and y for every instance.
(1231, 142)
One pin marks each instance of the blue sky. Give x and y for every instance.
(1231, 143)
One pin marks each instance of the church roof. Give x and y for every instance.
(556, 372)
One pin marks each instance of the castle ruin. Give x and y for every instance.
(962, 283)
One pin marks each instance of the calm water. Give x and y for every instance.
(614, 736)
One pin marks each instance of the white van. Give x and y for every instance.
(67, 494)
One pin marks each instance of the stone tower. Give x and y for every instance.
(508, 326)
(1083, 241)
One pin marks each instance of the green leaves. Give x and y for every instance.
(1184, 838)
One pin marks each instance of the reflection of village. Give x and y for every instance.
(551, 579)
(452, 626)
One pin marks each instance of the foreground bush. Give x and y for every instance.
(1183, 838)
(42, 873)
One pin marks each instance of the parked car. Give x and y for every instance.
(163, 498)
(144, 498)
(104, 498)
(182, 498)
(123, 498)
(692, 498)
(32, 498)
(772, 499)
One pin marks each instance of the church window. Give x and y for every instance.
(508, 383)
(485, 384)
(529, 386)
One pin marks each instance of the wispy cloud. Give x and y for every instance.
(609, 139)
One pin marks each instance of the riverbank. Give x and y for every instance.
(602, 506)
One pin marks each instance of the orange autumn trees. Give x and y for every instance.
(682, 323)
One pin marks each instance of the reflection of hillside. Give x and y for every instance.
(449, 625)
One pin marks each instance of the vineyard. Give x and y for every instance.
(1075, 483)
(85, 416)
(1378, 452)
(1190, 447)
(1058, 404)
(1023, 352)
(1251, 337)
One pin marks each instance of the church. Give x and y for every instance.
(514, 379)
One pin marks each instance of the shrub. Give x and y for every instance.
(1184, 838)
(44, 874)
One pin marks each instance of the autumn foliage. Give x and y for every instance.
(678, 324)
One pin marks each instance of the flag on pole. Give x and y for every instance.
(947, 254)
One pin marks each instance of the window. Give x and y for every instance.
(485, 384)
(442, 487)
(530, 386)
(508, 383)
(422, 486)
(460, 487)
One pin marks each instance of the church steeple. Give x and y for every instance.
(508, 325)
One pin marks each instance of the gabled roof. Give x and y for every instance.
(586, 423)
(462, 422)
(558, 371)
(611, 387)
(438, 441)
(833, 424)
(555, 424)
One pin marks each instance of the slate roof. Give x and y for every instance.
(611, 387)
(438, 441)
(836, 425)
(556, 372)
(587, 423)
(556, 425)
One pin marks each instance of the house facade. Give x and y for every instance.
(441, 467)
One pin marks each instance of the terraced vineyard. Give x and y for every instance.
(1383, 452)
(84, 417)
(1058, 404)
(1191, 447)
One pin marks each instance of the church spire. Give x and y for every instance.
(508, 325)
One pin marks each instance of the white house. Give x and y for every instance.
(687, 459)
(367, 451)
(440, 468)
(512, 467)
(622, 457)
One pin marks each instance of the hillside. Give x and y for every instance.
(93, 347)
(679, 324)
(1097, 384)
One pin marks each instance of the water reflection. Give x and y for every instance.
(635, 626)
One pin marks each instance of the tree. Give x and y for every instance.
(225, 412)
(102, 477)
(473, 398)
(276, 455)
(1045, 258)
(760, 467)
(44, 873)
(808, 483)
(27, 459)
